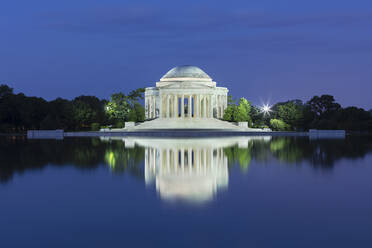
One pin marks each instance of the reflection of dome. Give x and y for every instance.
(186, 71)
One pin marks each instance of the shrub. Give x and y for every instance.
(120, 124)
(279, 125)
(95, 126)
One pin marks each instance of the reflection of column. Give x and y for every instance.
(183, 160)
(146, 157)
(175, 159)
(189, 157)
(153, 158)
(211, 156)
(168, 160)
(183, 106)
(205, 159)
(197, 164)
(189, 110)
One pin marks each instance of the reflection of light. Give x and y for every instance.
(110, 159)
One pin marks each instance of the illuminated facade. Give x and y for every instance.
(185, 92)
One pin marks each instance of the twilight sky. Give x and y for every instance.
(265, 50)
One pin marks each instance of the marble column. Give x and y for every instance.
(196, 108)
(210, 106)
(161, 106)
(204, 107)
(154, 107)
(189, 110)
(151, 106)
(167, 105)
(175, 114)
(183, 106)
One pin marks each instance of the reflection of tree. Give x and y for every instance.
(242, 156)
(18, 154)
(322, 153)
(285, 150)
(122, 160)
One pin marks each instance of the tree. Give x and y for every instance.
(230, 100)
(125, 108)
(352, 118)
(5, 90)
(323, 106)
(279, 125)
(135, 95)
(228, 115)
(137, 113)
(240, 113)
(291, 113)
(118, 107)
(244, 111)
(87, 110)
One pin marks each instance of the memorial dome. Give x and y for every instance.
(186, 71)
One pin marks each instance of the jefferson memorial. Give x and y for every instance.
(185, 98)
(185, 92)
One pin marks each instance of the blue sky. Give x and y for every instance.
(265, 50)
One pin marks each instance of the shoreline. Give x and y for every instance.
(60, 134)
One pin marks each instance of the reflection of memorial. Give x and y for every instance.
(187, 169)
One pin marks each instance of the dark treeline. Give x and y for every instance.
(320, 112)
(19, 113)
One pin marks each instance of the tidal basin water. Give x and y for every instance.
(217, 192)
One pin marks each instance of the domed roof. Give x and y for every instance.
(186, 71)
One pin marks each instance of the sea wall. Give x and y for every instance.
(45, 134)
(314, 133)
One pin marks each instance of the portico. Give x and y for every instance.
(185, 92)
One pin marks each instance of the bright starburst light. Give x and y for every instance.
(266, 109)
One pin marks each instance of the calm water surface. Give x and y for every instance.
(218, 192)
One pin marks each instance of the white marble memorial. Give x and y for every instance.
(185, 92)
(185, 98)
